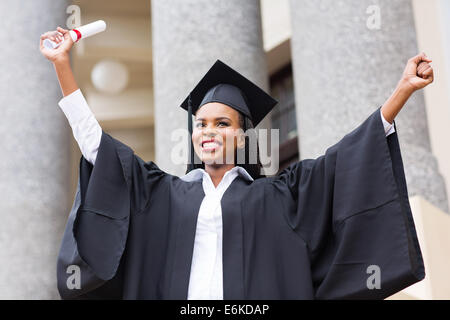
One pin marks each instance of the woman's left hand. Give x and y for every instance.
(418, 73)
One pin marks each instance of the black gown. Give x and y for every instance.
(310, 232)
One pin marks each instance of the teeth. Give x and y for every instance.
(210, 144)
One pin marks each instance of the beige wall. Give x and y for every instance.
(276, 22)
(431, 35)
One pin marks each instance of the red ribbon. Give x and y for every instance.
(78, 34)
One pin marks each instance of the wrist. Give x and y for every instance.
(405, 87)
(61, 60)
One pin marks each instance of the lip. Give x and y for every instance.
(210, 149)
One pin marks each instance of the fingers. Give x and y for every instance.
(55, 35)
(47, 35)
(425, 70)
(59, 38)
(428, 80)
(428, 72)
(428, 75)
(420, 57)
(52, 35)
(63, 31)
(41, 44)
(422, 67)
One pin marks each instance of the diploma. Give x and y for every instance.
(79, 33)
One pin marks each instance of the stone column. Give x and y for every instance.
(347, 60)
(35, 140)
(188, 37)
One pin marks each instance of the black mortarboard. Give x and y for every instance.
(223, 84)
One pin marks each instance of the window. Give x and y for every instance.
(283, 116)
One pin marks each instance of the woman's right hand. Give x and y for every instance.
(60, 53)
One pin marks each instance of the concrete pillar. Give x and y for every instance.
(347, 60)
(188, 37)
(35, 140)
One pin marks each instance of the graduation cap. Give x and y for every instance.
(223, 84)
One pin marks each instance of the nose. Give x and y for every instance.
(209, 130)
(209, 133)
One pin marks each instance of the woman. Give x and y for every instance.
(317, 230)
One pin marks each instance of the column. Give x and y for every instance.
(35, 144)
(188, 37)
(347, 59)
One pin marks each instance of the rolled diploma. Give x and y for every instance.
(79, 33)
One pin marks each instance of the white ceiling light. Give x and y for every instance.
(110, 76)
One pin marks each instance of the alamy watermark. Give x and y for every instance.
(74, 280)
(74, 21)
(373, 22)
(374, 280)
(262, 142)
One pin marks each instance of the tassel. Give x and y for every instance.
(191, 148)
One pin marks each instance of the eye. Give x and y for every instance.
(199, 124)
(223, 124)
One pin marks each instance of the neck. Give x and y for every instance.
(217, 171)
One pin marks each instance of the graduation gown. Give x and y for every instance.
(310, 232)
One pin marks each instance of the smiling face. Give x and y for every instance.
(217, 133)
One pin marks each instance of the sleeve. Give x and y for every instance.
(93, 248)
(85, 127)
(354, 215)
(388, 127)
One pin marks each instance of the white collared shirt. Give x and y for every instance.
(206, 277)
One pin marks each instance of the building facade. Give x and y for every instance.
(328, 63)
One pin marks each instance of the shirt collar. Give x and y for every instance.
(197, 174)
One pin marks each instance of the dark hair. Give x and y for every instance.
(254, 169)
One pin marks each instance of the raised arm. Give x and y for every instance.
(86, 129)
(418, 74)
(60, 58)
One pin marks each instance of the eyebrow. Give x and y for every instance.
(219, 118)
